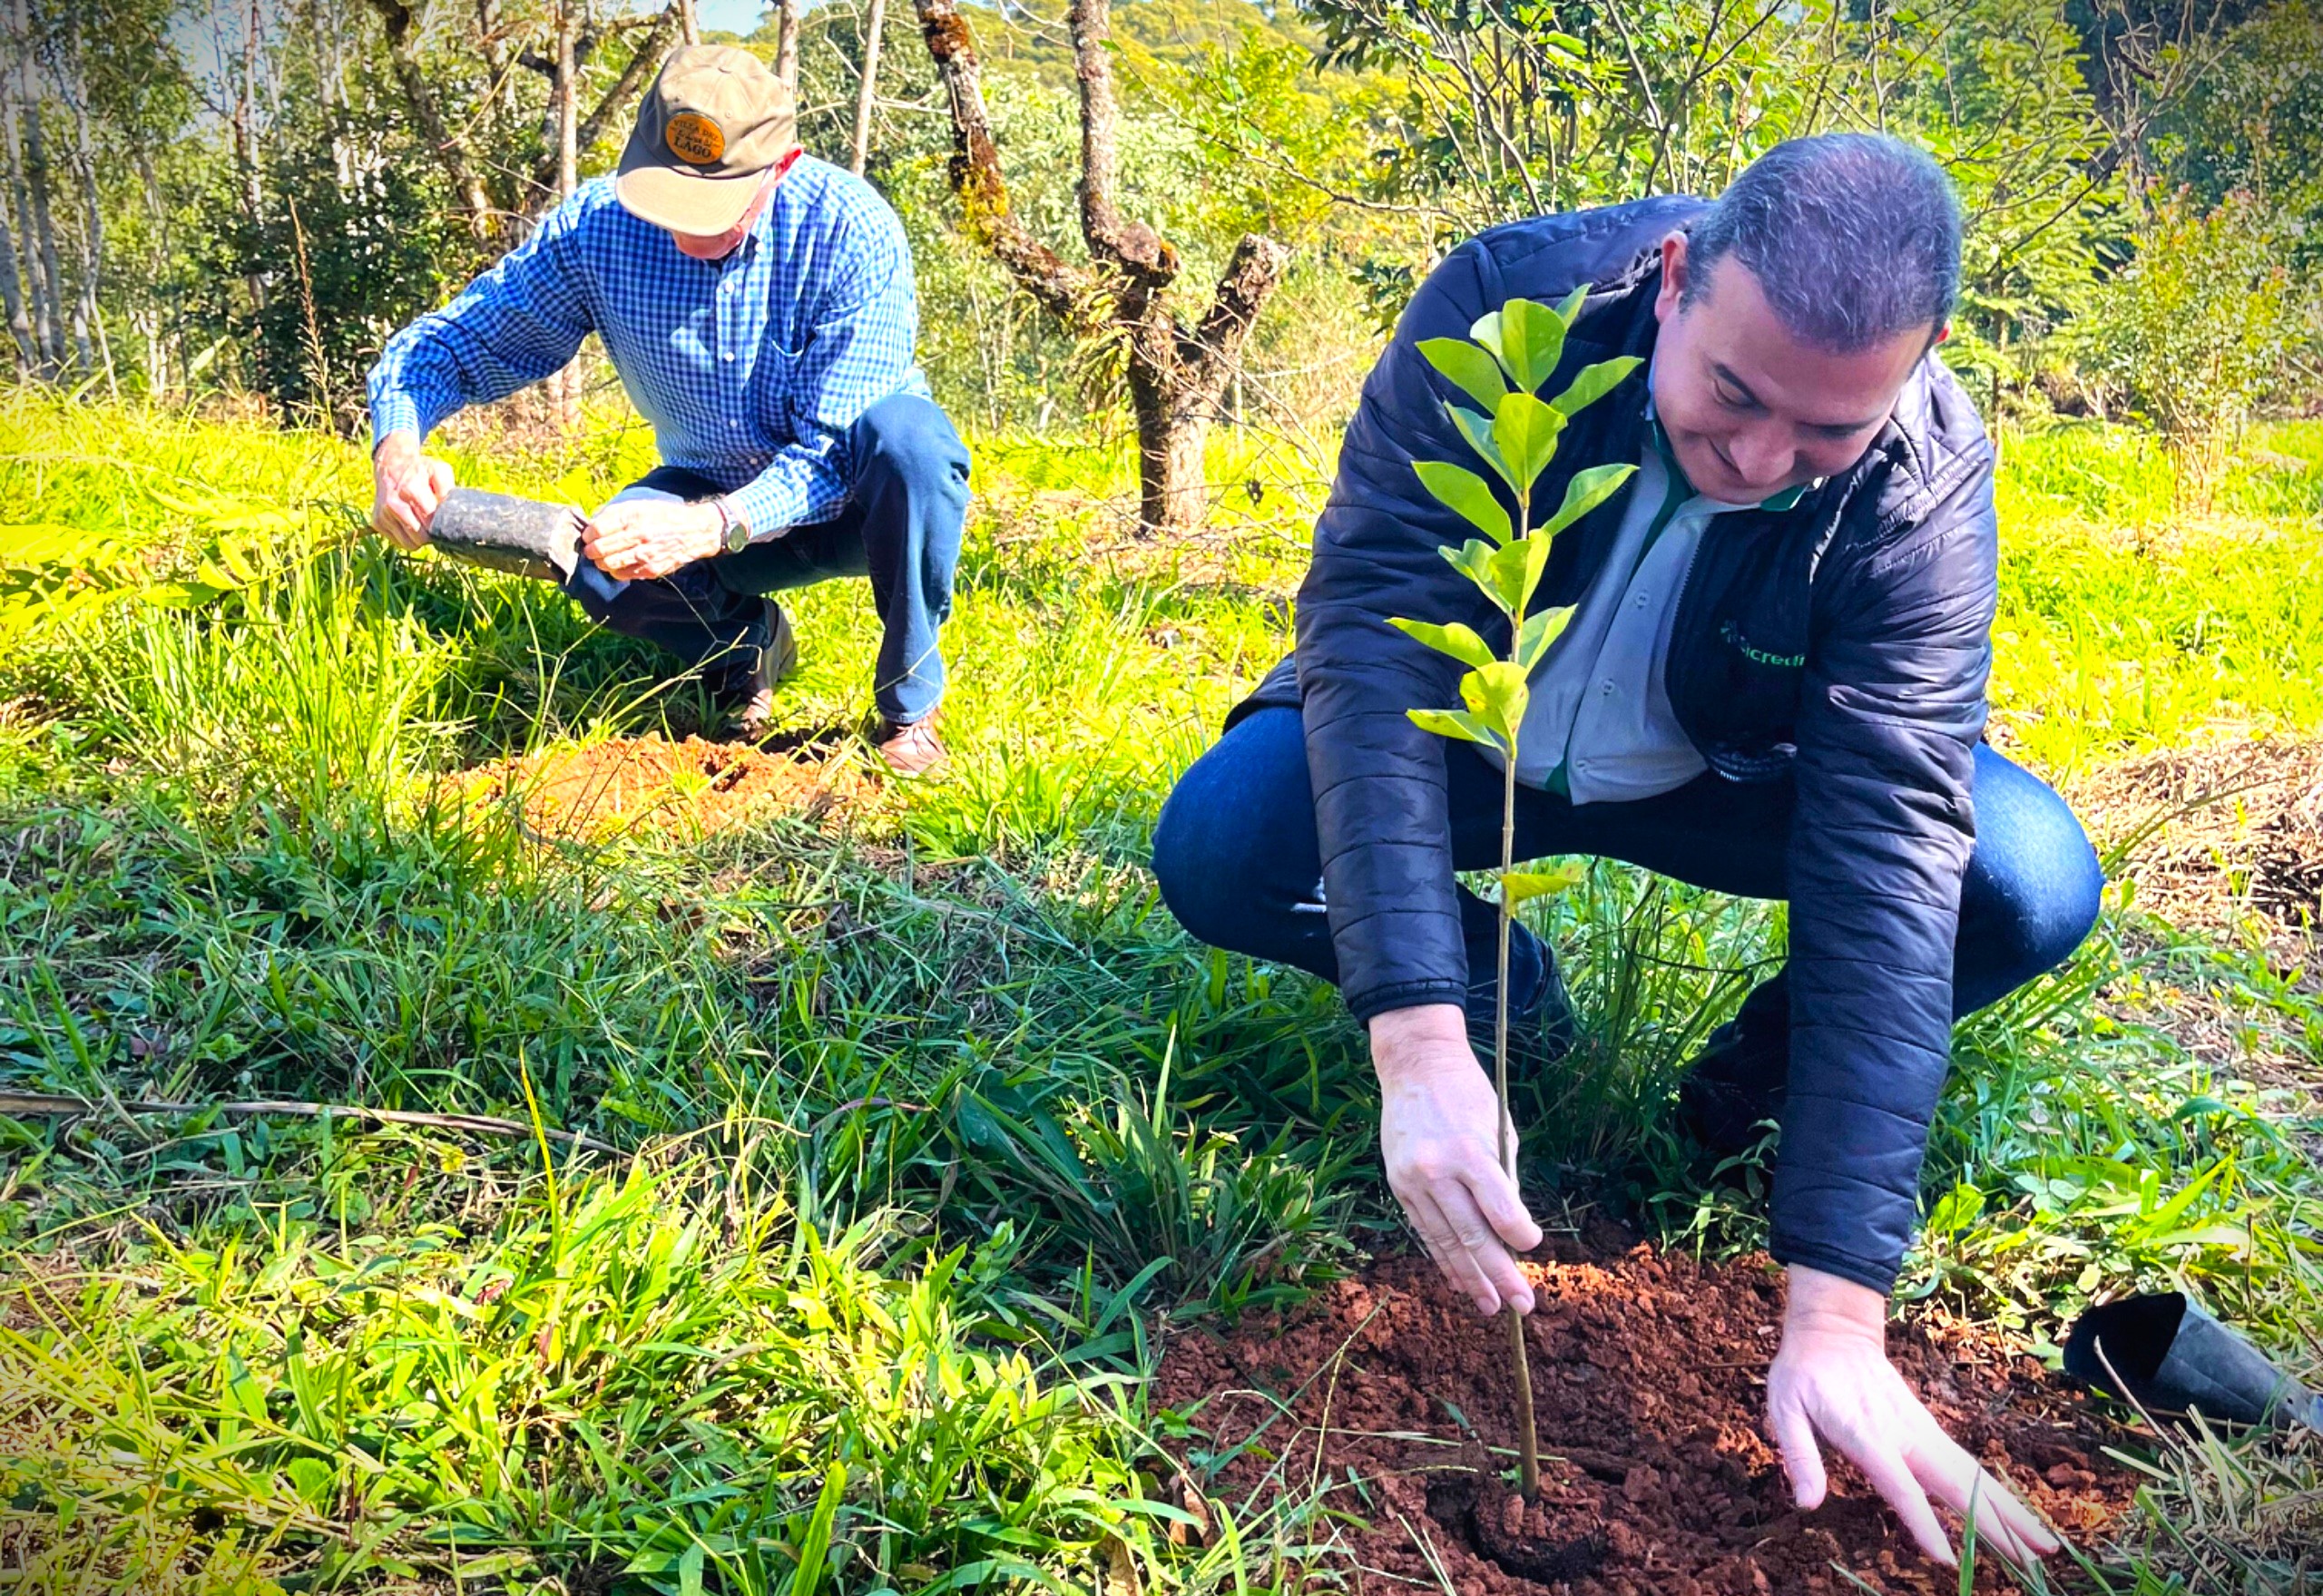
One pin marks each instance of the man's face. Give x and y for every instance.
(1750, 409)
(717, 247)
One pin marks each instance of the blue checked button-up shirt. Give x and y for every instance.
(750, 368)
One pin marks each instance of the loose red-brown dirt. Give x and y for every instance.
(694, 787)
(1649, 1374)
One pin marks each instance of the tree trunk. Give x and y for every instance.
(34, 218)
(12, 303)
(1175, 375)
(330, 85)
(1172, 494)
(786, 45)
(158, 345)
(35, 306)
(689, 24)
(866, 91)
(43, 227)
(92, 225)
(246, 146)
(564, 387)
(418, 87)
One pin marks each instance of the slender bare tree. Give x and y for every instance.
(867, 91)
(37, 219)
(462, 136)
(33, 309)
(88, 314)
(1175, 372)
(12, 302)
(785, 43)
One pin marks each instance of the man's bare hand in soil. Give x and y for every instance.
(1832, 1378)
(635, 538)
(406, 485)
(1438, 1123)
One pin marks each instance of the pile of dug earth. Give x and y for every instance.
(1657, 1479)
(692, 788)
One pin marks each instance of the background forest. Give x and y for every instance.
(464, 1130)
(247, 199)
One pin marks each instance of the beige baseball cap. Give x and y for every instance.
(713, 122)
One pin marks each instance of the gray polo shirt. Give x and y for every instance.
(1598, 728)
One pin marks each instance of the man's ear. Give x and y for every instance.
(1674, 277)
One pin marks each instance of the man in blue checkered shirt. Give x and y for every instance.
(759, 306)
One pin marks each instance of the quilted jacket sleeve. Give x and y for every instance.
(1893, 705)
(1378, 779)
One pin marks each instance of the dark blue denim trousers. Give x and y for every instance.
(908, 499)
(1237, 862)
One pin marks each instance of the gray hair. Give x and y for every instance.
(1854, 237)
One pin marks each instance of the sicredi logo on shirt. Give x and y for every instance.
(695, 139)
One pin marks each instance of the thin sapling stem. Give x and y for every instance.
(1508, 356)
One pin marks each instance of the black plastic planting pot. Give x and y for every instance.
(502, 533)
(2171, 1356)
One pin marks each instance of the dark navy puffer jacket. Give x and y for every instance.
(1841, 645)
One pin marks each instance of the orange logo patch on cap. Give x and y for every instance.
(695, 139)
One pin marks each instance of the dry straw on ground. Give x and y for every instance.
(2224, 837)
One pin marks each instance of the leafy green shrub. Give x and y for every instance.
(2196, 331)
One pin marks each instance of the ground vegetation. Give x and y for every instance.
(773, 1180)
(935, 1138)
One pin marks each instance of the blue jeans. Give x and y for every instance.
(907, 502)
(1236, 856)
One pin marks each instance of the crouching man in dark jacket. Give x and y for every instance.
(1773, 685)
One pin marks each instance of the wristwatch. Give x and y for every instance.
(732, 530)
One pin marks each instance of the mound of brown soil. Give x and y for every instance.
(1649, 1374)
(2237, 835)
(693, 787)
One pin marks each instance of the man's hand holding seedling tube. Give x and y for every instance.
(406, 485)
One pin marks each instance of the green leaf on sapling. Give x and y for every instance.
(1532, 342)
(1515, 572)
(1458, 488)
(1472, 560)
(1485, 330)
(1454, 724)
(1477, 430)
(1569, 307)
(1524, 431)
(1540, 630)
(1459, 641)
(1471, 369)
(1586, 491)
(1592, 383)
(1517, 885)
(1497, 695)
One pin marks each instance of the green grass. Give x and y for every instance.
(927, 1125)
(2125, 624)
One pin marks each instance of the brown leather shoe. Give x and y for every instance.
(778, 660)
(909, 751)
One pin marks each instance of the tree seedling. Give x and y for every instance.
(1508, 355)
